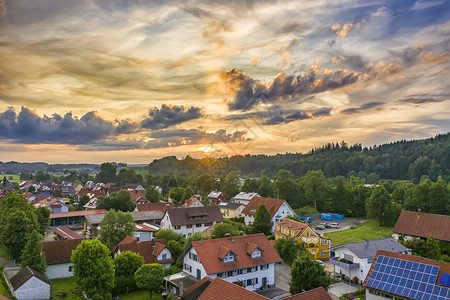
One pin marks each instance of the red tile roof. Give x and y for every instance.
(149, 250)
(195, 290)
(66, 233)
(77, 213)
(96, 193)
(136, 195)
(59, 252)
(188, 202)
(209, 251)
(318, 293)
(272, 205)
(423, 225)
(444, 267)
(220, 289)
(162, 207)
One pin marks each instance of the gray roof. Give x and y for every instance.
(246, 196)
(24, 275)
(139, 216)
(231, 205)
(215, 194)
(192, 215)
(369, 248)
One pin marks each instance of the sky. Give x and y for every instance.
(131, 81)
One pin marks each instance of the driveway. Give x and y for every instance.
(282, 276)
(341, 288)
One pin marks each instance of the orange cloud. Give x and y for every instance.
(255, 60)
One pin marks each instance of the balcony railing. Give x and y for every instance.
(343, 263)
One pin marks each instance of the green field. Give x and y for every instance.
(11, 177)
(139, 170)
(65, 288)
(369, 230)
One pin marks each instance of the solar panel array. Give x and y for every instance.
(406, 278)
(445, 279)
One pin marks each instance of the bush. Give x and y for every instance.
(270, 237)
(122, 283)
(108, 296)
(172, 270)
(355, 280)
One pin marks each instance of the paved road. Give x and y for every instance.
(282, 276)
(341, 288)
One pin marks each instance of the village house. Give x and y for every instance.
(160, 206)
(354, 259)
(153, 252)
(400, 276)
(278, 209)
(317, 245)
(190, 220)
(193, 202)
(231, 209)
(54, 205)
(64, 233)
(412, 225)
(29, 284)
(215, 197)
(58, 254)
(244, 197)
(73, 219)
(249, 260)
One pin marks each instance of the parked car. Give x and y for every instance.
(320, 263)
(320, 227)
(327, 225)
(334, 225)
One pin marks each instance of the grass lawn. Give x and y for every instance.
(139, 295)
(369, 230)
(65, 288)
(11, 177)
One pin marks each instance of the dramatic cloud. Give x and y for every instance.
(364, 107)
(250, 92)
(167, 116)
(29, 128)
(342, 31)
(419, 5)
(419, 99)
(178, 137)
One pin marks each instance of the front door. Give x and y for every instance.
(264, 282)
(199, 274)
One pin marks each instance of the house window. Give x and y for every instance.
(307, 233)
(194, 257)
(176, 227)
(198, 225)
(189, 226)
(228, 258)
(164, 256)
(187, 267)
(256, 253)
(324, 242)
(264, 267)
(70, 268)
(321, 253)
(219, 275)
(231, 273)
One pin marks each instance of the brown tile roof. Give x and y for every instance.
(24, 275)
(136, 195)
(162, 207)
(272, 205)
(77, 213)
(423, 225)
(209, 251)
(189, 201)
(195, 290)
(318, 293)
(149, 250)
(96, 193)
(220, 289)
(66, 233)
(444, 267)
(291, 224)
(59, 252)
(189, 216)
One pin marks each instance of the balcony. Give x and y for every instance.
(343, 263)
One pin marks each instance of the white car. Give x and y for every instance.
(320, 262)
(334, 225)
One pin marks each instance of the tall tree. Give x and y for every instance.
(197, 236)
(152, 195)
(169, 235)
(439, 197)
(127, 263)
(32, 255)
(263, 221)
(265, 186)
(115, 226)
(307, 274)
(93, 268)
(250, 185)
(340, 199)
(17, 220)
(83, 201)
(43, 218)
(284, 187)
(221, 229)
(317, 189)
(119, 201)
(379, 206)
(288, 249)
(188, 193)
(150, 277)
(230, 184)
(108, 172)
(177, 194)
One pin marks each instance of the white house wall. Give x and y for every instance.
(193, 264)
(360, 272)
(33, 289)
(167, 224)
(284, 211)
(59, 271)
(143, 236)
(168, 256)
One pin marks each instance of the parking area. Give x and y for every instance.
(343, 224)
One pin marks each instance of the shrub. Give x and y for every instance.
(355, 280)
(124, 284)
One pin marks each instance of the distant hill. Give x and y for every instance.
(398, 160)
(17, 167)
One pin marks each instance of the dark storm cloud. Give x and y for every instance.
(167, 116)
(29, 128)
(364, 107)
(250, 92)
(419, 99)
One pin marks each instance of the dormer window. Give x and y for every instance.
(256, 253)
(228, 258)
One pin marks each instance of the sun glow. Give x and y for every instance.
(208, 150)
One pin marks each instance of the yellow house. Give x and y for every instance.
(231, 210)
(318, 246)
